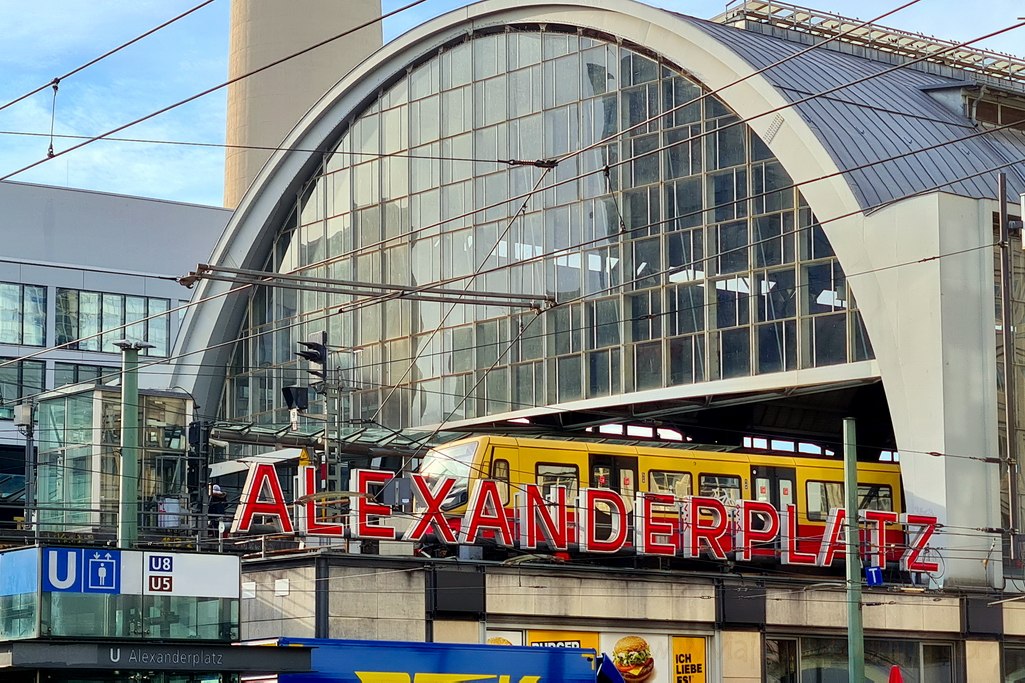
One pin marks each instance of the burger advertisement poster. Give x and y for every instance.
(640, 659)
(650, 658)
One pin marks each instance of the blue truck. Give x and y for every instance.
(361, 661)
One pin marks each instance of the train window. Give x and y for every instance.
(675, 483)
(875, 497)
(823, 496)
(550, 476)
(722, 487)
(500, 473)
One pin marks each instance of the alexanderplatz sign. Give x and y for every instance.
(598, 521)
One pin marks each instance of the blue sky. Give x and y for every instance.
(41, 40)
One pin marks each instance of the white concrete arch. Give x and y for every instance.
(941, 395)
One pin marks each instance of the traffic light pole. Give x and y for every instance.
(855, 633)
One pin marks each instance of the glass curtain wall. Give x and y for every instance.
(93, 321)
(22, 314)
(78, 485)
(675, 244)
(66, 464)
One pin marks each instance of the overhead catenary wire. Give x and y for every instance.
(56, 81)
(278, 148)
(327, 311)
(215, 88)
(163, 360)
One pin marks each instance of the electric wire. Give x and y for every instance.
(212, 89)
(274, 148)
(56, 81)
(851, 275)
(679, 143)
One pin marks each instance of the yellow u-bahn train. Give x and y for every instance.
(813, 484)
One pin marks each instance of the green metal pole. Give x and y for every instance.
(128, 519)
(855, 632)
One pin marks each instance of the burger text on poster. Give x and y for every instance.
(596, 522)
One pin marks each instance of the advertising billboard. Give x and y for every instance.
(639, 656)
(357, 661)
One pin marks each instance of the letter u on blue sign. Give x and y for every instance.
(62, 570)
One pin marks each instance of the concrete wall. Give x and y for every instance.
(551, 596)
(822, 608)
(263, 108)
(281, 602)
(383, 604)
(931, 324)
(982, 660)
(47, 224)
(741, 656)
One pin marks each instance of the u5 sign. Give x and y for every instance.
(89, 570)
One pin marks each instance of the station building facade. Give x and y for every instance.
(604, 212)
(79, 271)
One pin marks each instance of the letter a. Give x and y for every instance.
(261, 476)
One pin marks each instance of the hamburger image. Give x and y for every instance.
(632, 656)
(498, 640)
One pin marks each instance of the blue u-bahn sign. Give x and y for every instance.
(81, 570)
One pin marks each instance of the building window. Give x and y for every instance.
(22, 314)
(825, 659)
(19, 380)
(93, 321)
(73, 373)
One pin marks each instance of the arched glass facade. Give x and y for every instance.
(695, 262)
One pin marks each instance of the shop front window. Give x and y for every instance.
(821, 660)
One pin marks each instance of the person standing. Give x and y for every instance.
(218, 507)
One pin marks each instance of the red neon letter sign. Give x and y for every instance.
(909, 562)
(746, 536)
(647, 529)
(790, 554)
(696, 530)
(306, 516)
(430, 501)
(362, 508)
(260, 476)
(878, 519)
(484, 511)
(831, 543)
(536, 518)
(589, 502)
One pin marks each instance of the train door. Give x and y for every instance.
(774, 485)
(618, 473)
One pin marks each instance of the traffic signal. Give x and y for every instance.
(296, 397)
(316, 355)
